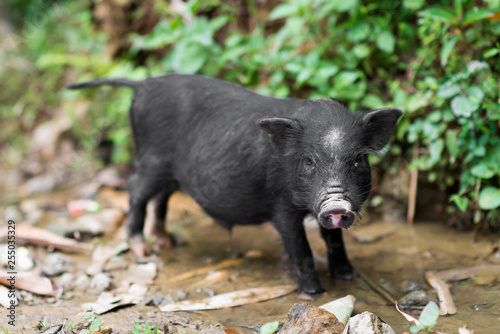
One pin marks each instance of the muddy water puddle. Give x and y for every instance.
(397, 254)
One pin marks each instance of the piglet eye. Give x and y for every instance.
(357, 161)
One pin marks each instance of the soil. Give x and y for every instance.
(400, 254)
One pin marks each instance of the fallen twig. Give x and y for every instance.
(446, 304)
(463, 273)
(438, 281)
(384, 293)
(201, 271)
(412, 196)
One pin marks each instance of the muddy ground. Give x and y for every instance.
(398, 254)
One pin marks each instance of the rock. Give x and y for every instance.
(39, 184)
(89, 224)
(305, 318)
(100, 282)
(82, 282)
(53, 264)
(368, 323)
(67, 281)
(414, 298)
(409, 286)
(484, 279)
(254, 254)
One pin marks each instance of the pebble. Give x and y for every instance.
(368, 323)
(100, 282)
(306, 318)
(414, 298)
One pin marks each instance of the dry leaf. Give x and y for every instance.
(5, 301)
(40, 236)
(29, 282)
(108, 300)
(230, 299)
(101, 256)
(142, 273)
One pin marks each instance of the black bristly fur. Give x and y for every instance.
(247, 158)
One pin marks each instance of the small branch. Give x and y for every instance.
(381, 291)
(446, 304)
(412, 196)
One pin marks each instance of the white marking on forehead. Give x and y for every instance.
(333, 139)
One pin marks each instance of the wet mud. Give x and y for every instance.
(396, 254)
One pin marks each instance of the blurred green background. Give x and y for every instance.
(437, 60)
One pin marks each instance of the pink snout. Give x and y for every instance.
(337, 218)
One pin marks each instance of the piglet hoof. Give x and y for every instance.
(345, 273)
(163, 240)
(140, 250)
(311, 287)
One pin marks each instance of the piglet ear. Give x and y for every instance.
(278, 127)
(379, 125)
(282, 132)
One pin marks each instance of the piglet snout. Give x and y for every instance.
(337, 218)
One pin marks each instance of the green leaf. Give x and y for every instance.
(435, 151)
(428, 317)
(361, 51)
(359, 32)
(476, 14)
(452, 144)
(463, 107)
(447, 48)
(413, 5)
(385, 42)
(448, 89)
(459, 10)
(489, 198)
(270, 327)
(304, 75)
(327, 72)
(475, 65)
(482, 171)
(372, 101)
(88, 315)
(283, 10)
(95, 325)
(218, 22)
(475, 94)
(438, 13)
(344, 6)
(188, 57)
(491, 53)
(293, 68)
(414, 329)
(345, 78)
(461, 202)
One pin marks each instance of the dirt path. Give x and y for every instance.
(400, 254)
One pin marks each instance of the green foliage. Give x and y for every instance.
(270, 327)
(436, 62)
(428, 318)
(147, 329)
(463, 130)
(89, 324)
